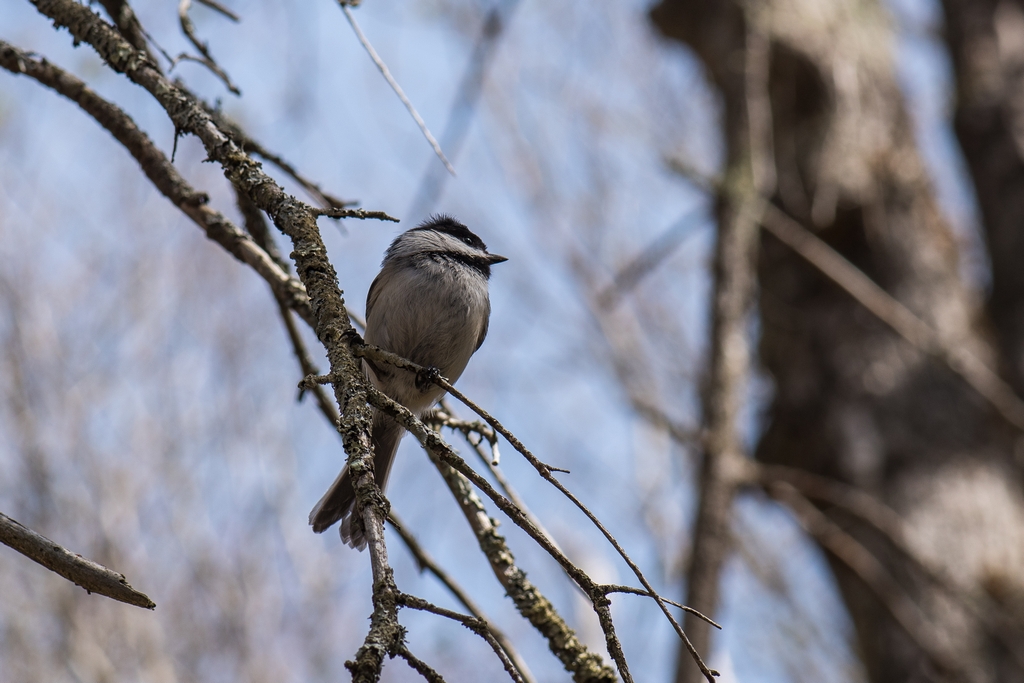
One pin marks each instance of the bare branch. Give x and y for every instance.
(81, 571)
(639, 591)
(492, 465)
(531, 603)
(161, 172)
(216, 6)
(425, 562)
(207, 59)
(461, 111)
(477, 626)
(344, 4)
(419, 666)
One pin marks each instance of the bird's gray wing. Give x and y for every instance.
(371, 299)
(487, 322)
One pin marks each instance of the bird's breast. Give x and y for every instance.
(431, 315)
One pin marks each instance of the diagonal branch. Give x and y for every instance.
(344, 4)
(649, 258)
(585, 666)
(425, 562)
(880, 303)
(81, 571)
(461, 111)
(419, 666)
(207, 59)
(164, 176)
(477, 626)
(491, 463)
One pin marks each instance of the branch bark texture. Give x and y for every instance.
(81, 571)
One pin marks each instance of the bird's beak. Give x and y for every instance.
(494, 258)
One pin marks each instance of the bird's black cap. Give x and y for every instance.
(444, 223)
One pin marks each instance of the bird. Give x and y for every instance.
(430, 305)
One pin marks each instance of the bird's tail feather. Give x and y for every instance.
(338, 503)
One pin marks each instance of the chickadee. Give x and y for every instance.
(429, 304)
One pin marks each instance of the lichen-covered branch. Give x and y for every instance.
(329, 318)
(545, 471)
(585, 666)
(436, 446)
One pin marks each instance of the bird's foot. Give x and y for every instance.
(427, 377)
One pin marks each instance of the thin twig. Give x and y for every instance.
(477, 626)
(466, 97)
(611, 588)
(419, 666)
(425, 562)
(445, 417)
(93, 577)
(207, 59)
(216, 6)
(334, 212)
(492, 465)
(394, 86)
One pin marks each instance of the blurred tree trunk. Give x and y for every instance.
(852, 400)
(986, 42)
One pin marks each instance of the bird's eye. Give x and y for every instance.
(468, 241)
